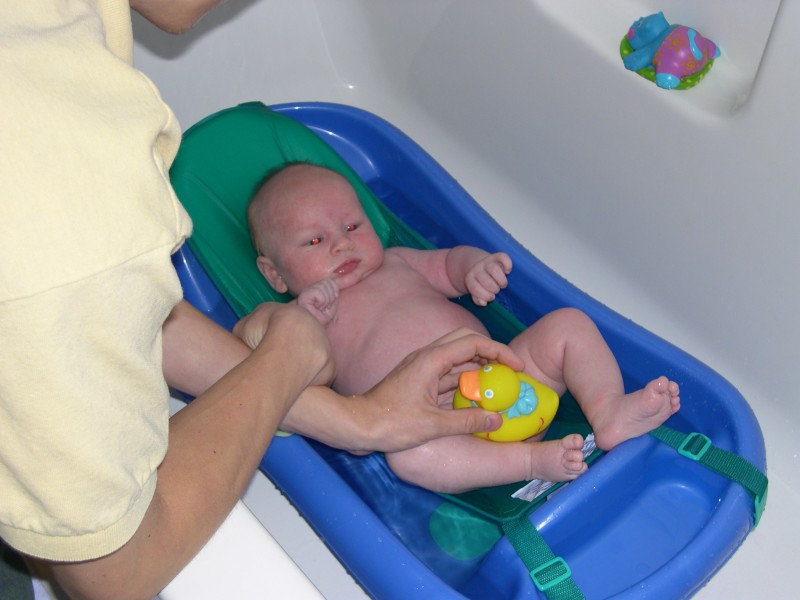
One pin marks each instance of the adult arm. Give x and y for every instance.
(174, 16)
(215, 443)
(401, 412)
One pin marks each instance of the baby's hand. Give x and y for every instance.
(321, 299)
(487, 277)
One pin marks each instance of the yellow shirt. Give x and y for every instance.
(88, 222)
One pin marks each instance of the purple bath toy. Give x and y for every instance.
(675, 52)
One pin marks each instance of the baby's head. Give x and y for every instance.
(307, 224)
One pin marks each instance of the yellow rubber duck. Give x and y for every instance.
(527, 406)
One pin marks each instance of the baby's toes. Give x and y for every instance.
(573, 441)
(574, 462)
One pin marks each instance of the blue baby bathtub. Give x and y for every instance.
(643, 522)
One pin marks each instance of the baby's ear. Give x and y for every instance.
(270, 273)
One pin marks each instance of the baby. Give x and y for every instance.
(378, 305)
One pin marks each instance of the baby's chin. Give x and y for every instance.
(347, 281)
(350, 279)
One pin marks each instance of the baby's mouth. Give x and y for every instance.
(347, 267)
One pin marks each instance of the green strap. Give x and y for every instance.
(699, 448)
(550, 574)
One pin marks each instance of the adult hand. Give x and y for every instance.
(296, 331)
(252, 327)
(402, 411)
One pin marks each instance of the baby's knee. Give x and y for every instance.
(408, 465)
(571, 319)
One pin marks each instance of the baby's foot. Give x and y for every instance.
(557, 460)
(637, 413)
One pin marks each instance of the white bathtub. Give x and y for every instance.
(677, 209)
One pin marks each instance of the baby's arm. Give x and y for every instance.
(460, 270)
(321, 299)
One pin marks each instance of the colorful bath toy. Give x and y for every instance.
(527, 406)
(673, 56)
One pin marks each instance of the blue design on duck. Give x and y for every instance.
(526, 402)
(675, 51)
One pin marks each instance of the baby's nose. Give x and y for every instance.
(343, 242)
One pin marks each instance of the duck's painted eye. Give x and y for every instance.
(487, 368)
(488, 394)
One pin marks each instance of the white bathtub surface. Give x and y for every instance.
(239, 561)
(677, 209)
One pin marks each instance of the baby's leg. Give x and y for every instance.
(459, 463)
(565, 350)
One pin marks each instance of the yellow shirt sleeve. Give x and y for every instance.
(89, 221)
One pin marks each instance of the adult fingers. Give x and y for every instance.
(461, 347)
(466, 420)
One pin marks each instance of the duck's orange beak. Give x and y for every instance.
(469, 384)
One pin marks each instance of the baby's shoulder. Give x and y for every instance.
(407, 255)
(400, 251)
(397, 257)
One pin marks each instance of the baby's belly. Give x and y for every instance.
(369, 345)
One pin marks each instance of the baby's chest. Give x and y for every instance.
(376, 327)
(385, 308)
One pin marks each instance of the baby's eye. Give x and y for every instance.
(351, 227)
(314, 241)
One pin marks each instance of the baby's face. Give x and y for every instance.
(318, 230)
